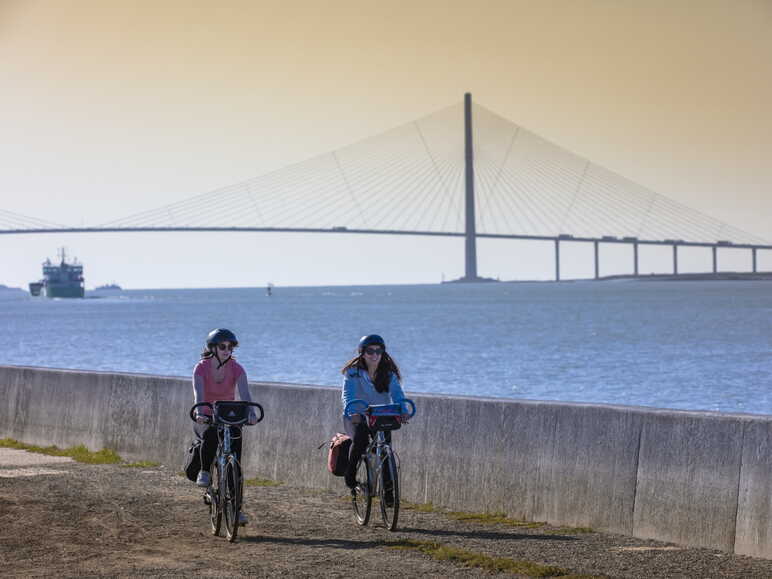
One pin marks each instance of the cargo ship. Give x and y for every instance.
(60, 281)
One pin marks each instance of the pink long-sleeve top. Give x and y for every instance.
(233, 385)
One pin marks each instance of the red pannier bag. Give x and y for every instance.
(337, 457)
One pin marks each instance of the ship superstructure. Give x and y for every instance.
(64, 280)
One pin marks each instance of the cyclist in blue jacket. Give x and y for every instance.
(372, 376)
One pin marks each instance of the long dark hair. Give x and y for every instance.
(386, 366)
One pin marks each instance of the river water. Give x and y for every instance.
(687, 345)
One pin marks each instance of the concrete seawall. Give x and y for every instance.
(694, 478)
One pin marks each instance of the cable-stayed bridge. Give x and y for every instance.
(460, 172)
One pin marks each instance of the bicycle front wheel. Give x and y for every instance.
(215, 500)
(231, 493)
(361, 495)
(388, 491)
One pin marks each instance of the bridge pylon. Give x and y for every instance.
(470, 231)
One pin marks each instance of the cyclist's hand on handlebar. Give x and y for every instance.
(202, 419)
(356, 418)
(252, 420)
(404, 418)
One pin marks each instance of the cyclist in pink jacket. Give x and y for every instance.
(217, 376)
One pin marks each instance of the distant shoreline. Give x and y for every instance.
(720, 276)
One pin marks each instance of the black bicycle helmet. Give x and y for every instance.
(220, 335)
(370, 340)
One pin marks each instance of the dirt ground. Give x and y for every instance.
(63, 518)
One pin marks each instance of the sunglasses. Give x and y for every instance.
(223, 347)
(374, 351)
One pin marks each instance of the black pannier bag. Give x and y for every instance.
(192, 463)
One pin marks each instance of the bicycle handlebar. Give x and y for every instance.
(221, 421)
(347, 411)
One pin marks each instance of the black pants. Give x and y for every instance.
(208, 435)
(362, 435)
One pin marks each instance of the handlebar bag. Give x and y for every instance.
(384, 422)
(337, 456)
(233, 412)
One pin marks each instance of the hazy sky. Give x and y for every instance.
(108, 108)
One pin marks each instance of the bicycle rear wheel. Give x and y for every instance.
(388, 491)
(361, 496)
(232, 489)
(215, 500)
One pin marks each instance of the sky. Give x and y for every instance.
(112, 108)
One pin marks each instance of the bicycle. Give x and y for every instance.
(225, 491)
(378, 469)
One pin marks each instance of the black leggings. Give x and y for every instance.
(208, 435)
(362, 435)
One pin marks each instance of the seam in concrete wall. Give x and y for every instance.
(637, 474)
(739, 483)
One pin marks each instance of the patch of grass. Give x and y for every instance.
(141, 464)
(420, 507)
(484, 518)
(79, 453)
(471, 559)
(261, 482)
(492, 519)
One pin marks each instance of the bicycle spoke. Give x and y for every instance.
(389, 489)
(232, 498)
(215, 501)
(361, 496)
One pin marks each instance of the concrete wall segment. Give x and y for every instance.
(689, 477)
(753, 535)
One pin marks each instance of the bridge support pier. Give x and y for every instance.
(597, 265)
(557, 260)
(715, 259)
(635, 258)
(753, 255)
(675, 259)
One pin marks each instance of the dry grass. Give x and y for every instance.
(466, 558)
(261, 482)
(484, 518)
(493, 519)
(79, 452)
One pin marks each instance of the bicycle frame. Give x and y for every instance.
(375, 454)
(224, 494)
(378, 455)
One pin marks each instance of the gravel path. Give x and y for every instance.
(63, 518)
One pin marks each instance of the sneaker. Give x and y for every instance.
(243, 519)
(203, 479)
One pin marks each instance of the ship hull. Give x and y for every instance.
(63, 291)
